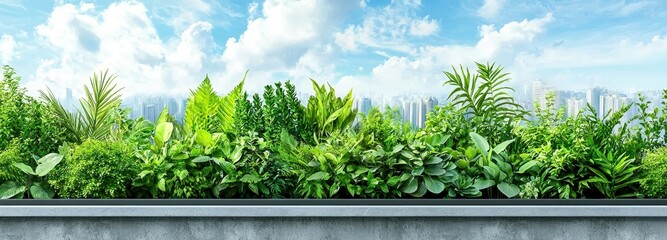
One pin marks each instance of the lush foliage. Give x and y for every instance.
(654, 185)
(94, 118)
(270, 145)
(26, 126)
(95, 169)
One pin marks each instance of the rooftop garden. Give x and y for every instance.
(234, 145)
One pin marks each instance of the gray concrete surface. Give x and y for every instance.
(333, 211)
(333, 228)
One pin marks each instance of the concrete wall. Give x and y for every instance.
(333, 228)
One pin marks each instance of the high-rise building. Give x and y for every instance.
(150, 112)
(365, 105)
(593, 97)
(575, 106)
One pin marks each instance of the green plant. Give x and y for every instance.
(94, 118)
(251, 170)
(279, 110)
(614, 176)
(486, 99)
(654, 181)
(178, 166)
(205, 110)
(34, 184)
(25, 124)
(328, 113)
(96, 169)
(496, 166)
(8, 157)
(425, 166)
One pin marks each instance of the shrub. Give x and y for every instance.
(24, 122)
(96, 169)
(12, 154)
(654, 184)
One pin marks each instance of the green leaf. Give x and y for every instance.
(319, 176)
(433, 160)
(481, 143)
(181, 174)
(249, 178)
(434, 170)
(501, 147)
(393, 180)
(161, 185)
(48, 164)
(202, 159)
(481, 184)
(24, 168)
(510, 190)
(434, 185)
(163, 133)
(39, 192)
(417, 171)
(526, 166)
(411, 186)
(203, 137)
(50, 157)
(10, 189)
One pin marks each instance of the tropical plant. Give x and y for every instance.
(485, 98)
(96, 169)
(654, 181)
(250, 170)
(178, 167)
(205, 110)
(329, 113)
(8, 157)
(34, 184)
(614, 176)
(95, 117)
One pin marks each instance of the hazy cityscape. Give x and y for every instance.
(415, 107)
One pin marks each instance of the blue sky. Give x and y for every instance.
(372, 46)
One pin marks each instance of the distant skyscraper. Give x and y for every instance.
(593, 98)
(575, 106)
(150, 112)
(69, 99)
(365, 105)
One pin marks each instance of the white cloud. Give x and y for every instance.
(423, 27)
(490, 8)
(423, 72)
(283, 41)
(7, 45)
(123, 39)
(387, 28)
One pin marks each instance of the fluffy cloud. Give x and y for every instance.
(7, 45)
(387, 28)
(123, 39)
(490, 8)
(423, 27)
(280, 42)
(422, 72)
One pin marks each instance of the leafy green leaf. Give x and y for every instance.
(481, 143)
(10, 189)
(510, 190)
(526, 166)
(483, 183)
(434, 185)
(203, 137)
(318, 176)
(48, 164)
(501, 147)
(24, 168)
(163, 133)
(41, 192)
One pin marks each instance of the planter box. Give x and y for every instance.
(333, 219)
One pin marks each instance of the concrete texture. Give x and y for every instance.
(332, 228)
(332, 211)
